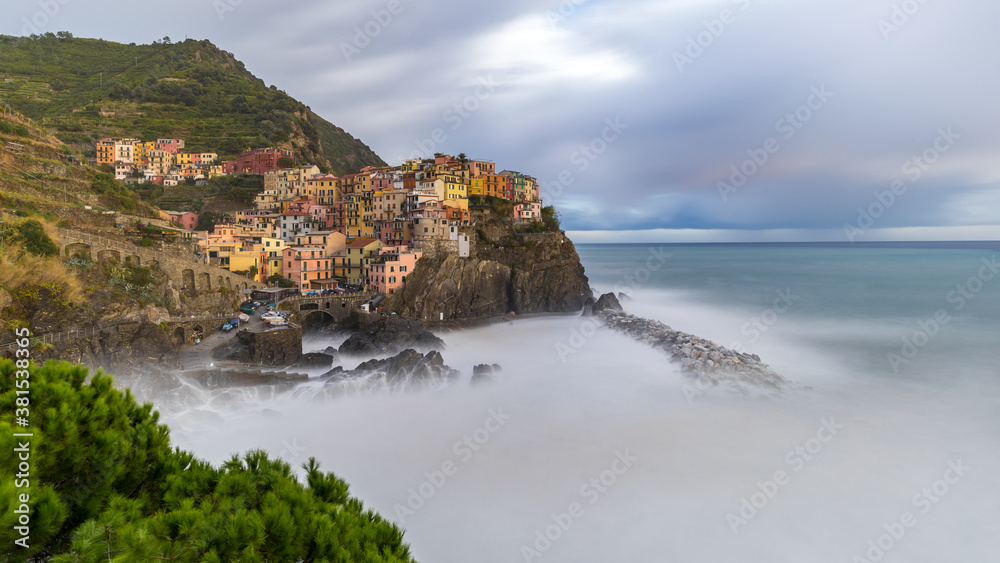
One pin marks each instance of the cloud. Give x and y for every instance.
(562, 68)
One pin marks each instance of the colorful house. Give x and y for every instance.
(304, 264)
(528, 211)
(351, 267)
(387, 271)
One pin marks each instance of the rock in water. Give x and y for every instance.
(483, 374)
(607, 302)
(390, 335)
(332, 352)
(315, 360)
(702, 359)
(408, 370)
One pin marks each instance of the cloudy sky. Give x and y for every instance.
(672, 120)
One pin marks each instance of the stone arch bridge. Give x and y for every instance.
(186, 274)
(336, 306)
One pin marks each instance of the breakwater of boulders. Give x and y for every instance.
(700, 358)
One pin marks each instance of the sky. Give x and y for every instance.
(658, 120)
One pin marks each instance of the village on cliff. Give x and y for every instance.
(320, 232)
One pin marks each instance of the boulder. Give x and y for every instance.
(484, 374)
(390, 335)
(407, 370)
(315, 360)
(607, 302)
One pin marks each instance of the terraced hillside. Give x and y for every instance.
(85, 89)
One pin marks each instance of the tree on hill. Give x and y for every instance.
(32, 235)
(107, 486)
(206, 221)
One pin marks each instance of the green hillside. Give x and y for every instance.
(85, 89)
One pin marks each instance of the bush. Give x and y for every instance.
(6, 128)
(146, 242)
(35, 240)
(22, 131)
(105, 480)
(280, 281)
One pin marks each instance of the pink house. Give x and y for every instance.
(169, 145)
(306, 264)
(387, 272)
(528, 211)
(186, 220)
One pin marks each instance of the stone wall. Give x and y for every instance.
(278, 347)
(187, 276)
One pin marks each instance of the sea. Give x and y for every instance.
(884, 445)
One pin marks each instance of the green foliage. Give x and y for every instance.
(106, 485)
(550, 217)
(6, 128)
(147, 242)
(139, 283)
(191, 90)
(21, 131)
(206, 221)
(280, 281)
(475, 199)
(32, 235)
(501, 207)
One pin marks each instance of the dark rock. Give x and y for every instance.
(389, 335)
(624, 297)
(281, 347)
(607, 302)
(335, 372)
(332, 352)
(484, 374)
(545, 276)
(407, 370)
(315, 360)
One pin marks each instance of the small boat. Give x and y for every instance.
(244, 318)
(275, 323)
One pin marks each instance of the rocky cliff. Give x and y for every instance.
(531, 273)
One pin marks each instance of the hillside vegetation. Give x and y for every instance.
(36, 177)
(86, 89)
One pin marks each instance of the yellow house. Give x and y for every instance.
(477, 186)
(272, 246)
(358, 215)
(331, 241)
(352, 263)
(183, 159)
(324, 189)
(244, 260)
(274, 266)
(455, 186)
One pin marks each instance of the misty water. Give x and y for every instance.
(592, 447)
